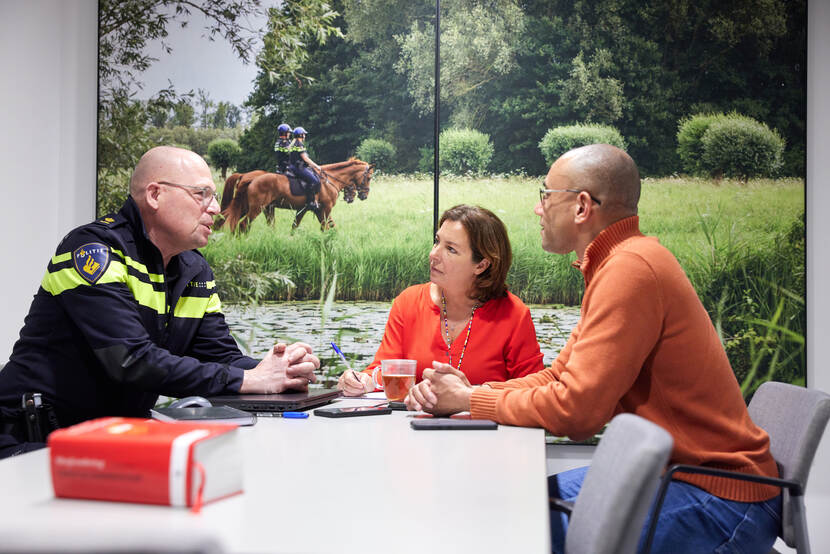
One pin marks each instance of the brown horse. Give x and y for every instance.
(233, 182)
(272, 189)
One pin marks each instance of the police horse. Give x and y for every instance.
(275, 190)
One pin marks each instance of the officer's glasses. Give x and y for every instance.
(543, 194)
(206, 194)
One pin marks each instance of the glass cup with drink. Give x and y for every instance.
(398, 377)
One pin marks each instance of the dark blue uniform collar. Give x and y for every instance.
(132, 215)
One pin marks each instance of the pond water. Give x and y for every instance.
(357, 328)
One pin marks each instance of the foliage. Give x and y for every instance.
(191, 138)
(291, 27)
(184, 114)
(464, 151)
(559, 140)
(690, 131)
(125, 27)
(756, 298)
(514, 69)
(591, 96)
(479, 43)
(741, 147)
(113, 188)
(222, 154)
(243, 280)
(379, 152)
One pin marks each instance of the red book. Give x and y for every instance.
(142, 460)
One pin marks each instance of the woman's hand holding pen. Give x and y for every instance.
(353, 383)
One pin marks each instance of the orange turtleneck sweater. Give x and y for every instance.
(645, 345)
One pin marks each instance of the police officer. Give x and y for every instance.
(128, 310)
(300, 162)
(283, 147)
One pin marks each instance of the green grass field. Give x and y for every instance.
(381, 245)
(742, 246)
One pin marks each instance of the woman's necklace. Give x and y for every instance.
(447, 330)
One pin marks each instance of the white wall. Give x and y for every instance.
(47, 155)
(48, 52)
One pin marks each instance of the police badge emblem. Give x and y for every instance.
(91, 261)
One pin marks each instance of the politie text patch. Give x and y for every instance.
(91, 260)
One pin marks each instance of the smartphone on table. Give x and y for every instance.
(452, 423)
(353, 411)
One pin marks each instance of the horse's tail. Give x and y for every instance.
(238, 207)
(229, 190)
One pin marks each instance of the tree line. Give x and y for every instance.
(351, 70)
(513, 69)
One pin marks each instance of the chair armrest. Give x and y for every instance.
(561, 505)
(795, 488)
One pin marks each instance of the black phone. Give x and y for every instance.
(396, 405)
(354, 411)
(442, 423)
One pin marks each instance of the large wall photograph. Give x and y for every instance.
(708, 99)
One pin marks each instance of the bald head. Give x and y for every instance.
(609, 174)
(165, 163)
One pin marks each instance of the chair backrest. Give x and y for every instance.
(795, 419)
(610, 511)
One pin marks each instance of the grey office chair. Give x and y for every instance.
(610, 511)
(795, 419)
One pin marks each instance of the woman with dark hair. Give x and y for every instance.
(464, 316)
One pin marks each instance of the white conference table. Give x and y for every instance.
(363, 484)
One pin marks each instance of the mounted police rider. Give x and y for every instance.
(283, 147)
(299, 163)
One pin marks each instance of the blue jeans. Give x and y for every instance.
(691, 520)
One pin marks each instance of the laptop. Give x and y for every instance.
(294, 401)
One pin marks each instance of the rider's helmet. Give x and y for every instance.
(299, 132)
(284, 129)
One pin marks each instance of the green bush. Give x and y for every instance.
(464, 151)
(379, 152)
(223, 153)
(426, 159)
(690, 132)
(738, 146)
(559, 140)
(195, 139)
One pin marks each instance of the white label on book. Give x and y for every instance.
(178, 465)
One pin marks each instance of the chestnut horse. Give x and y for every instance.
(233, 182)
(272, 190)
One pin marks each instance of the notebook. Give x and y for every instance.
(294, 401)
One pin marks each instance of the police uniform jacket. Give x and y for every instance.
(283, 149)
(295, 158)
(111, 328)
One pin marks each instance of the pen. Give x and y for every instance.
(286, 415)
(348, 365)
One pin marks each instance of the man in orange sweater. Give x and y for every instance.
(645, 345)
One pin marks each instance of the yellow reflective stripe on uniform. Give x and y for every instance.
(197, 306)
(155, 277)
(58, 258)
(67, 278)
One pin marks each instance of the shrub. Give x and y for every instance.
(464, 151)
(559, 140)
(195, 139)
(223, 153)
(738, 146)
(690, 132)
(379, 152)
(426, 159)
